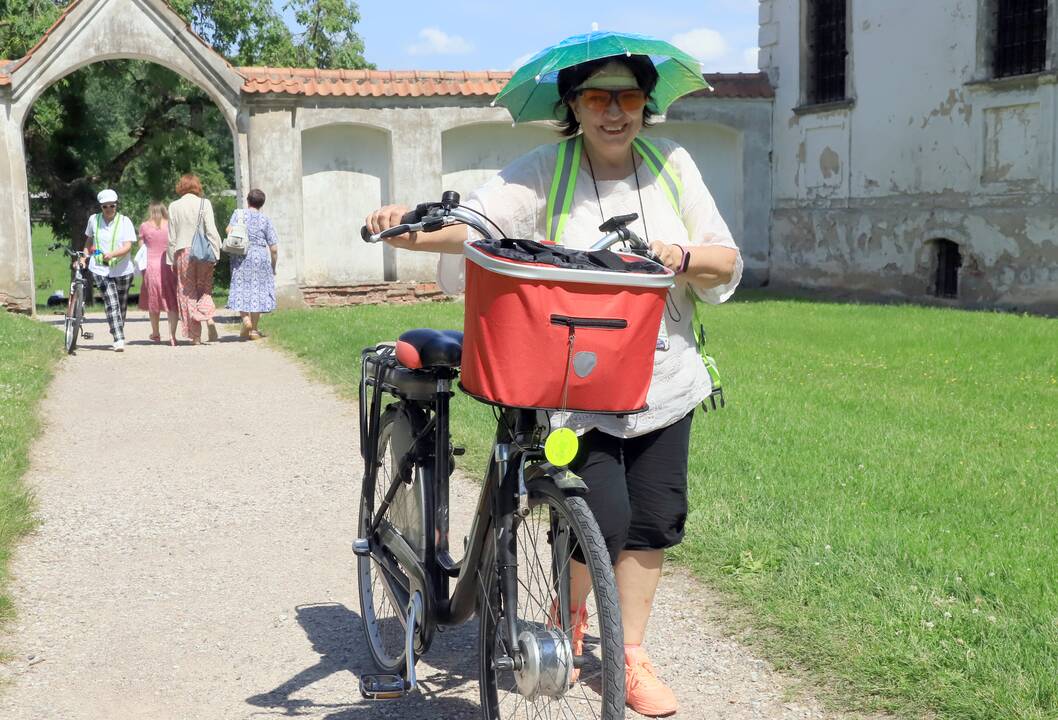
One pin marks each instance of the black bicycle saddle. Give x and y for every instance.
(426, 348)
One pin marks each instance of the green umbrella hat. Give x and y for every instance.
(532, 92)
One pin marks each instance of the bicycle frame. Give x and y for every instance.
(502, 494)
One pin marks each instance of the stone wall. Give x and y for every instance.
(399, 293)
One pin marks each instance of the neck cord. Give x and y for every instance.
(670, 304)
(639, 191)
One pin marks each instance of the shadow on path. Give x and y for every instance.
(336, 634)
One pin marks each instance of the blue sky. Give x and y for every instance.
(484, 35)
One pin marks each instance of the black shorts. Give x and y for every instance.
(637, 486)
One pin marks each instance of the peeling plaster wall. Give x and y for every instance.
(929, 148)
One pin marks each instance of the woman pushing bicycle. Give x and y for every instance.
(635, 465)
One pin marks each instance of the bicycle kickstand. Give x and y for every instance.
(391, 687)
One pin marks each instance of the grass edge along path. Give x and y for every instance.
(29, 351)
(877, 500)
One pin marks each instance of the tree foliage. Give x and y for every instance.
(136, 127)
(328, 39)
(22, 22)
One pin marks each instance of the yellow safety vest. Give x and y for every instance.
(560, 199)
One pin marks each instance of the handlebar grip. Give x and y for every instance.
(411, 217)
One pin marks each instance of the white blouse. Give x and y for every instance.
(516, 200)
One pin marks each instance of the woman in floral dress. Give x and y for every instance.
(253, 285)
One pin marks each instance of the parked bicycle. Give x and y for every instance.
(531, 523)
(74, 322)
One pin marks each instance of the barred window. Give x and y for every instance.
(1021, 37)
(825, 29)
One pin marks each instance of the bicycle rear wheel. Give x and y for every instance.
(545, 541)
(383, 616)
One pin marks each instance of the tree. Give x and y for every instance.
(135, 126)
(130, 125)
(22, 22)
(328, 39)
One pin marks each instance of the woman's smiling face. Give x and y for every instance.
(614, 128)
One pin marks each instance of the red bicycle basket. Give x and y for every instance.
(540, 336)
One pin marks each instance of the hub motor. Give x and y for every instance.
(547, 661)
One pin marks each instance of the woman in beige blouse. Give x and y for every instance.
(194, 278)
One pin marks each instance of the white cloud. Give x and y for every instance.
(521, 60)
(705, 44)
(434, 41)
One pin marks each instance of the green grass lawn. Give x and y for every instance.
(28, 352)
(878, 501)
(51, 269)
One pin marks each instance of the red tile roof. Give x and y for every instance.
(371, 83)
(421, 83)
(737, 85)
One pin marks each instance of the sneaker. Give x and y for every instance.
(644, 692)
(579, 618)
(119, 346)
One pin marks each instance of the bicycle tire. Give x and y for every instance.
(383, 622)
(74, 321)
(601, 683)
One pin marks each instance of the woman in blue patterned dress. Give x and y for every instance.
(253, 285)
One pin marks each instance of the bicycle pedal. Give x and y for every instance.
(87, 335)
(382, 687)
(362, 547)
(457, 450)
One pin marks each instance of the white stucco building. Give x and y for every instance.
(914, 148)
(329, 146)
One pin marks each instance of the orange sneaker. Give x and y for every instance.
(644, 693)
(579, 618)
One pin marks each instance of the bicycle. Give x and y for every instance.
(531, 522)
(74, 321)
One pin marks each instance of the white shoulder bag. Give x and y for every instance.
(238, 238)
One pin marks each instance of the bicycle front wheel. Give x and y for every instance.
(547, 540)
(74, 318)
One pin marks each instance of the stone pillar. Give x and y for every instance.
(416, 177)
(16, 255)
(274, 144)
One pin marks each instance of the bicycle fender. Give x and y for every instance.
(561, 477)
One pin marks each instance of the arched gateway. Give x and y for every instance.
(394, 128)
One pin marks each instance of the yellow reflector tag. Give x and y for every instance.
(561, 447)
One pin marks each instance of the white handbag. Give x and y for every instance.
(238, 238)
(139, 262)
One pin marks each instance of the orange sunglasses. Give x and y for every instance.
(598, 100)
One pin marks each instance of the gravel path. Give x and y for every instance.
(198, 565)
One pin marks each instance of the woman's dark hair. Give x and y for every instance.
(570, 78)
(255, 198)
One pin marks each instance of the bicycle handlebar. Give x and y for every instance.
(428, 217)
(68, 251)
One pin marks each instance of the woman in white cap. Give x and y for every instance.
(110, 236)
